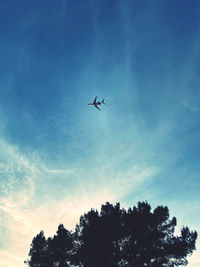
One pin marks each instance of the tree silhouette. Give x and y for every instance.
(150, 239)
(59, 247)
(53, 251)
(116, 237)
(38, 251)
(98, 235)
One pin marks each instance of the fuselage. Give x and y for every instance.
(95, 104)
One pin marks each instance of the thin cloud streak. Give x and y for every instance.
(25, 215)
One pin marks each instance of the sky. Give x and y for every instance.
(60, 157)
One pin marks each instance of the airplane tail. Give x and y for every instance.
(103, 102)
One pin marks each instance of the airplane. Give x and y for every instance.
(96, 104)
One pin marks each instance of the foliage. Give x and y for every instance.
(116, 237)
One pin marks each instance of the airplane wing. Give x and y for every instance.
(97, 107)
(95, 100)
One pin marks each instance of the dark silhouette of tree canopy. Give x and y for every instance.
(116, 237)
(53, 251)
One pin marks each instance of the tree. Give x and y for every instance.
(98, 235)
(116, 237)
(150, 239)
(59, 247)
(38, 251)
(53, 251)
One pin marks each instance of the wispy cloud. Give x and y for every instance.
(25, 212)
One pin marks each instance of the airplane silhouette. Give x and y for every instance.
(96, 104)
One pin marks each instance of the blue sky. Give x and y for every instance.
(60, 157)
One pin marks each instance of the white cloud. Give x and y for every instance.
(25, 215)
(24, 223)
